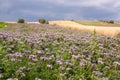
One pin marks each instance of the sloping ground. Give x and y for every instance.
(97, 23)
(112, 31)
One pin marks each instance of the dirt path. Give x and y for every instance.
(112, 31)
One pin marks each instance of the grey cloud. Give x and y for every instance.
(32, 10)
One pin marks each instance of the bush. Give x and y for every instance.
(107, 21)
(46, 22)
(21, 20)
(43, 21)
(72, 20)
(111, 21)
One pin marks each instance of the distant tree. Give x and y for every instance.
(46, 22)
(72, 19)
(43, 21)
(20, 20)
(111, 21)
(107, 21)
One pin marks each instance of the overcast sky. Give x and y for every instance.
(32, 10)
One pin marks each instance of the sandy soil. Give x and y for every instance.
(112, 31)
(25, 22)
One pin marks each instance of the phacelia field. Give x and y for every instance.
(49, 52)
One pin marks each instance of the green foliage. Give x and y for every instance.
(94, 48)
(43, 21)
(107, 21)
(72, 20)
(111, 21)
(2, 24)
(47, 22)
(20, 20)
(55, 53)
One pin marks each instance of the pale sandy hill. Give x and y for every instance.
(112, 31)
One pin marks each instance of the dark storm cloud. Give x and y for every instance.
(32, 10)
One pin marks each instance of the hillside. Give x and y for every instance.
(111, 31)
(98, 23)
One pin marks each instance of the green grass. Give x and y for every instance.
(96, 23)
(2, 24)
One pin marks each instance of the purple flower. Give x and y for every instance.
(59, 62)
(38, 79)
(97, 73)
(68, 69)
(12, 79)
(39, 51)
(1, 75)
(105, 79)
(81, 63)
(49, 66)
(100, 60)
(116, 63)
(13, 59)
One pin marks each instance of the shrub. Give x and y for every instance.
(102, 20)
(21, 20)
(111, 21)
(46, 22)
(107, 21)
(72, 20)
(43, 21)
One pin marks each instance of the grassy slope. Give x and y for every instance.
(2, 24)
(112, 31)
(96, 23)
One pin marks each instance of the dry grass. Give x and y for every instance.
(112, 31)
(97, 23)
